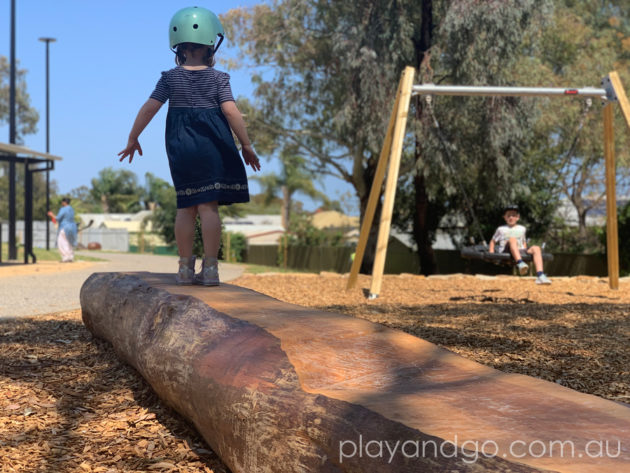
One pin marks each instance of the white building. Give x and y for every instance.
(258, 229)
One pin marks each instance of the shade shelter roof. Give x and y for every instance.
(13, 153)
(24, 152)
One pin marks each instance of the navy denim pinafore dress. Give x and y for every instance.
(204, 161)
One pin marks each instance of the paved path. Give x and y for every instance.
(31, 293)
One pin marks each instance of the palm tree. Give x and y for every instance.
(293, 178)
(116, 190)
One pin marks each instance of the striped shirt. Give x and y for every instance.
(204, 88)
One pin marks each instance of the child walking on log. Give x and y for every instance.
(205, 164)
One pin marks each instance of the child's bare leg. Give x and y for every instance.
(536, 253)
(514, 249)
(185, 230)
(210, 228)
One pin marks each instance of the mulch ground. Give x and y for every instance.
(69, 405)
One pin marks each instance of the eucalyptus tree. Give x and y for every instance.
(329, 74)
(469, 151)
(26, 119)
(583, 43)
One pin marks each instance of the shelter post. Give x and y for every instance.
(12, 138)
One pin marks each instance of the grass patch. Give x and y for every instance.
(43, 255)
(259, 268)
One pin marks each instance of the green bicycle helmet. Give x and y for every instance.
(195, 25)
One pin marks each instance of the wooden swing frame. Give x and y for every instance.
(391, 153)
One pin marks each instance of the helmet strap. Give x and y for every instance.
(219, 43)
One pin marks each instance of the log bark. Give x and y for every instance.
(274, 387)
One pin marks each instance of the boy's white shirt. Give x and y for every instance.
(505, 232)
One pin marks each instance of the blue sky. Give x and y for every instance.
(103, 66)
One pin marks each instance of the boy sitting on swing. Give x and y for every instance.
(510, 238)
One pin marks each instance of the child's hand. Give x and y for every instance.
(132, 147)
(249, 155)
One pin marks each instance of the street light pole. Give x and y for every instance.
(48, 41)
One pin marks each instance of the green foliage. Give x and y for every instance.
(475, 162)
(26, 116)
(323, 97)
(329, 71)
(117, 190)
(164, 214)
(154, 189)
(82, 201)
(583, 43)
(624, 237)
(26, 123)
(562, 238)
(164, 219)
(294, 178)
(39, 193)
(260, 205)
(238, 247)
(303, 233)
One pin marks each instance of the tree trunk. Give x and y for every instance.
(286, 206)
(274, 387)
(370, 249)
(582, 225)
(422, 229)
(104, 203)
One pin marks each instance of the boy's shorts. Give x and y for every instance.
(506, 249)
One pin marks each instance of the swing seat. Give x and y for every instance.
(480, 252)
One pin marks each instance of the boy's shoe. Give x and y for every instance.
(542, 279)
(186, 273)
(209, 275)
(522, 268)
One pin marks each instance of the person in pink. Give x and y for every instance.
(66, 230)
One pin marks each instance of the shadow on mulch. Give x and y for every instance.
(580, 346)
(72, 405)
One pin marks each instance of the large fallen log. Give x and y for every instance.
(273, 387)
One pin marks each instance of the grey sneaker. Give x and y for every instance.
(542, 279)
(186, 273)
(522, 268)
(209, 275)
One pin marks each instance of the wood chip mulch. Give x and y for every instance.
(575, 332)
(68, 404)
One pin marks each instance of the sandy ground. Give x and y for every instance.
(8, 270)
(72, 406)
(49, 286)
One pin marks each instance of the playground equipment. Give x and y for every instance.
(275, 387)
(481, 252)
(32, 161)
(612, 91)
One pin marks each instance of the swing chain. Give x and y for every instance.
(449, 165)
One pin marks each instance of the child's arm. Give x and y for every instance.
(496, 237)
(237, 124)
(145, 115)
